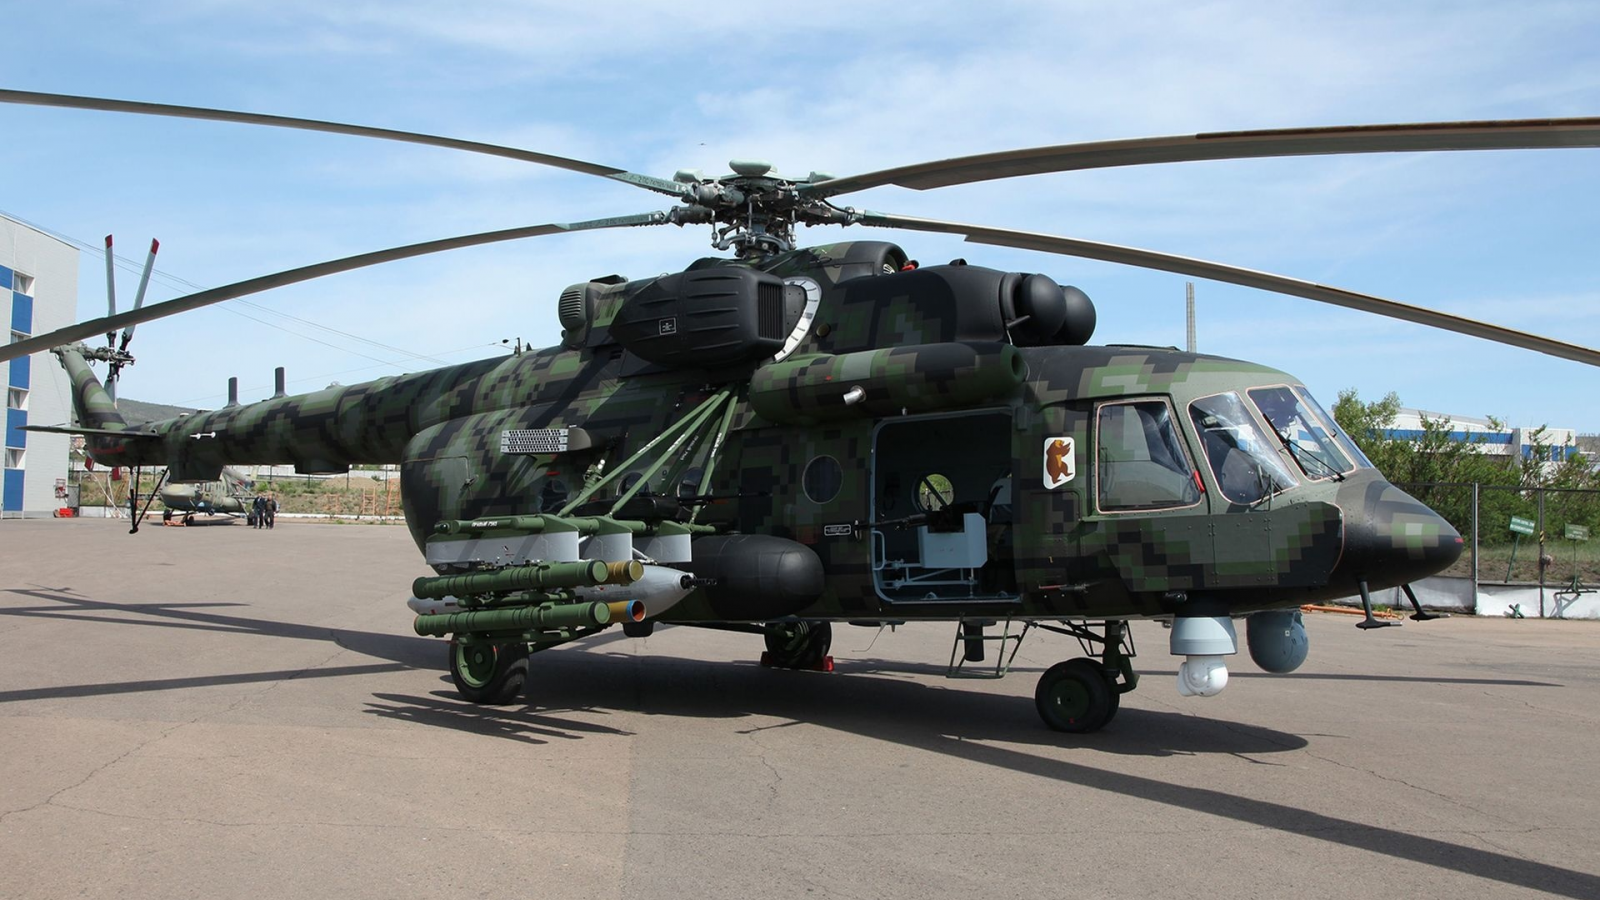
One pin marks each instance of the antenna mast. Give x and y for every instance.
(1188, 290)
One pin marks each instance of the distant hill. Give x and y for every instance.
(138, 412)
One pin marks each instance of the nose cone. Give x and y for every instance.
(1391, 538)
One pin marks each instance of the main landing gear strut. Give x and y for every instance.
(1081, 695)
(798, 645)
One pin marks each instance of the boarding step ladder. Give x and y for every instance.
(971, 640)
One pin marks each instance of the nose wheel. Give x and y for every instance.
(1077, 696)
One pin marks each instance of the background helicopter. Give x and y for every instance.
(229, 495)
(797, 436)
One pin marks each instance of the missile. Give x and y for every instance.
(515, 578)
(658, 587)
(590, 614)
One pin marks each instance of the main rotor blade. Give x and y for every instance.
(69, 101)
(1511, 134)
(306, 273)
(1199, 268)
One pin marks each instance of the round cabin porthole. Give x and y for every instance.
(822, 479)
(935, 492)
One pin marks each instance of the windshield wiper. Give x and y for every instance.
(1301, 454)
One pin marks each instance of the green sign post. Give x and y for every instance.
(1519, 527)
(1577, 534)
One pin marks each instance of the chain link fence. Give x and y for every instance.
(1519, 536)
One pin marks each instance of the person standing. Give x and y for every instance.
(271, 510)
(258, 511)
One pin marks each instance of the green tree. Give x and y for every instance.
(1510, 484)
(1368, 424)
(1437, 458)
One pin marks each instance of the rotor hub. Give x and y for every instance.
(753, 211)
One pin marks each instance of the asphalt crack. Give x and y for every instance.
(775, 784)
(1415, 787)
(51, 800)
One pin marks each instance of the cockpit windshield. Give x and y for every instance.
(1333, 426)
(1244, 460)
(1305, 431)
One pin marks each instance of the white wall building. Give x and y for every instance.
(38, 293)
(1495, 441)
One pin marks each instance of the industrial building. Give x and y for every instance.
(38, 293)
(1492, 438)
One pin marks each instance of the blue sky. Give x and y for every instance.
(653, 87)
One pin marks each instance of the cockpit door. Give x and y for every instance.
(1152, 507)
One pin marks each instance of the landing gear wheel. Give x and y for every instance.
(1110, 675)
(798, 645)
(1075, 696)
(491, 674)
(166, 515)
(1116, 703)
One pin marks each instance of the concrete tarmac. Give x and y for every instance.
(224, 712)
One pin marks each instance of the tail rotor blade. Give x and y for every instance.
(144, 282)
(111, 293)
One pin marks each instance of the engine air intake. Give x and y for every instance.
(712, 318)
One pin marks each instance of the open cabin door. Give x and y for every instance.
(941, 506)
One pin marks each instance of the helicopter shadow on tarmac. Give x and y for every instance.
(568, 688)
(64, 604)
(977, 726)
(527, 724)
(585, 678)
(593, 681)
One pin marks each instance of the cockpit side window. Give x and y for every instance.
(1302, 432)
(1243, 459)
(1140, 461)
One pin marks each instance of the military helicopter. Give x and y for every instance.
(792, 437)
(229, 495)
